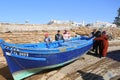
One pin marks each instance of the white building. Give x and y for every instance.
(103, 24)
(67, 22)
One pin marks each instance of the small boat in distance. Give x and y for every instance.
(27, 59)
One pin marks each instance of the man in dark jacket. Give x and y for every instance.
(58, 36)
(96, 44)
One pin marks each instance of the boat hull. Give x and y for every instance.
(22, 66)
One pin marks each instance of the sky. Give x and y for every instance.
(42, 11)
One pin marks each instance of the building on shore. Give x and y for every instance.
(73, 23)
(101, 24)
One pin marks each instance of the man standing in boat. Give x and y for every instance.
(47, 38)
(58, 36)
(66, 35)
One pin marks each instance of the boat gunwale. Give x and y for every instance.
(46, 48)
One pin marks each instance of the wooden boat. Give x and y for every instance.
(27, 59)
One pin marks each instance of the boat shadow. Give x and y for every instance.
(89, 76)
(115, 55)
(5, 73)
(93, 54)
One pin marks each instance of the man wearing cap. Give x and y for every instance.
(47, 38)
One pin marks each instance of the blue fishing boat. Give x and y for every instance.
(27, 59)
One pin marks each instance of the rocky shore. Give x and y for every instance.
(38, 36)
